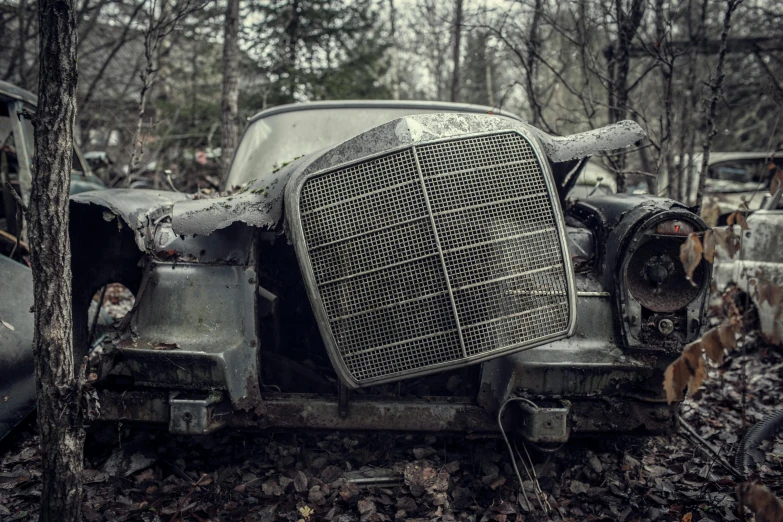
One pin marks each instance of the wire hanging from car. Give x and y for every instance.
(536, 486)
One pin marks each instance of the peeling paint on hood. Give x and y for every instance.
(260, 202)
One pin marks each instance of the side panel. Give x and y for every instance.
(17, 379)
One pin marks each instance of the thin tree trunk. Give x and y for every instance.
(395, 68)
(716, 91)
(230, 101)
(59, 385)
(620, 64)
(22, 42)
(455, 76)
(533, 45)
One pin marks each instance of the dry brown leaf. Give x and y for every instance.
(709, 246)
(674, 380)
(695, 364)
(712, 346)
(687, 370)
(769, 292)
(759, 499)
(726, 333)
(687, 517)
(777, 180)
(737, 218)
(690, 255)
(726, 238)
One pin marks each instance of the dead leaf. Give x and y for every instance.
(687, 517)
(726, 332)
(687, 370)
(777, 180)
(769, 292)
(737, 218)
(8, 325)
(709, 246)
(690, 254)
(761, 501)
(712, 346)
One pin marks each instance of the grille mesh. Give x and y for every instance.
(435, 254)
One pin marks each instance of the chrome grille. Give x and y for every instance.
(434, 256)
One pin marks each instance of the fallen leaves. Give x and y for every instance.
(737, 218)
(688, 370)
(759, 499)
(690, 255)
(777, 180)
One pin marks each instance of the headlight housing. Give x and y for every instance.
(659, 306)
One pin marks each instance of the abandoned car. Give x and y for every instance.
(17, 387)
(391, 266)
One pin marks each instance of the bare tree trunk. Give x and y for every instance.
(619, 66)
(490, 86)
(680, 187)
(59, 386)
(716, 92)
(533, 45)
(230, 100)
(455, 77)
(395, 69)
(666, 60)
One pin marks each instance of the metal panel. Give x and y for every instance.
(436, 255)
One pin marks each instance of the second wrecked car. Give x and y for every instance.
(395, 266)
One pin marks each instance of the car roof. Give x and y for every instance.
(384, 104)
(9, 90)
(716, 157)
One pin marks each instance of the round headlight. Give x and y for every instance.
(655, 276)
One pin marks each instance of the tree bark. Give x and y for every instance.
(395, 68)
(230, 99)
(455, 76)
(619, 66)
(59, 388)
(716, 92)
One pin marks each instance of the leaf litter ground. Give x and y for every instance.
(146, 475)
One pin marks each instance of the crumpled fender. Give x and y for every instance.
(17, 371)
(136, 207)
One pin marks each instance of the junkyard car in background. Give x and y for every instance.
(392, 266)
(17, 385)
(735, 180)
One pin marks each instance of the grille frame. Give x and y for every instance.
(297, 235)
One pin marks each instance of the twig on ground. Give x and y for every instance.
(694, 437)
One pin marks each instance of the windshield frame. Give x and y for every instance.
(417, 107)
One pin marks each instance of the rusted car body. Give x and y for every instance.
(392, 266)
(17, 385)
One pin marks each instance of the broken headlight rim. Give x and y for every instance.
(653, 273)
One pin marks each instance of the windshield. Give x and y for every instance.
(275, 140)
(741, 175)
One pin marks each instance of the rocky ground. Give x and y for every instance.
(135, 474)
